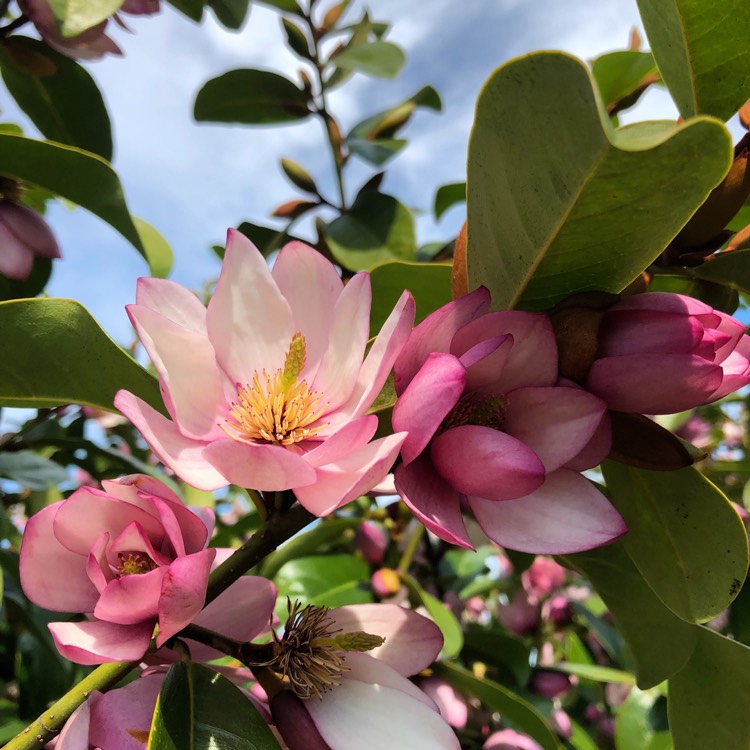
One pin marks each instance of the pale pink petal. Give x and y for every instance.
(412, 642)
(735, 371)
(311, 287)
(249, 321)
(181, 454)
(30, 228)
(101, 642)
(188, 371)
(509, 739)
(435, 332)
(482, 461)
(556, 422)
(172, 301)
(427, 400)
(16, 258)
(450, 703)
(75, 733)
(131, 599)
(350, 437)
(351, 476)
(52, 576)
(133, 488)
(259, 465)
(432, 500)
(734, 330)
(566, 514)
(349, 330)
(133, 539)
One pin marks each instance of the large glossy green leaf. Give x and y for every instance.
(251, 97)
(31, 470)
(56, 353)
(376, 229)
(636, 728)
(701, 50)
(500, 699)
(66, 105)
(708, 699)
(75, 16)
(558, 201)
(380, 59)
(728, 269)
(158, 252)
(231, 13)
(619, 74)
(429, 283)
(199, 709)
(81, 177)
(685, 538)
(660, 641)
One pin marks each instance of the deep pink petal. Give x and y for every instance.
(249, 321)
(311, 287)
(181, 454)
(450, 703)
(173, 301)
(427, 400)
(30, 228)
(412, 641)
(260, 466)
(736, 374)
(131, 599)
(349, 438)
(351, 476)
(734, 330)
(653, 383)
(435, 333)
(16, 258)
(183, 593)
(185, 529)
(97, 565)
(596, 450)
(483, 375)
(75, 733)
(481, 461)
(566, 514)
(667, 302)
(433, 502)
(101, 642)
(52, 576)
(638, 332)
(556, 422)
(132, 488)
(134, 539)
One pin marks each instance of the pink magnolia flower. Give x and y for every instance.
(491, 432)
(450, 702)
(509, 739)
(267, 388)
(369, 701)
(131, 556)
(24, 234)
(543, 576)
(661, 353)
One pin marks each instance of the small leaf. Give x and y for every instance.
(251, 97)
(620, 74)
(288, 6)
(266, 239)
(31, 470)
(158, 252)
(193, 9)
(376, 152)
(294, 209)
(76, 16)
(62, 356)
(595, 672)
(299, 176)
(296, 39)
(230, 13)
(449, 195)
(379, 59)
(634, 728)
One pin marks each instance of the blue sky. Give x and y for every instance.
(192, 181)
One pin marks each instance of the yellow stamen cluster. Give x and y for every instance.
(134, 563)
(278, 409)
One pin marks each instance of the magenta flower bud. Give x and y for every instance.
(549, 683)
(521, 616)
(385, 582)
(556, 610)
(661, 353)
(371, 541)
(560, 722)
(509, 739)
(543, 577)
(295, 724)
(24, 234)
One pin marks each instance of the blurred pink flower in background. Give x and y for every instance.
(543, 576)
(509, 739)
(521, 615)
(451, 704)
(24, 235)
(371, 540)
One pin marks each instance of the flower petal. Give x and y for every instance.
(100, 642)
(596, 450)
(427, 400)
(52, 576)
(481, 461)
(131, 599)
(432, 500)
(450, 703)
(17, 257)
(566, 514)
(638, 332)
(75, 733)
(181, 454)
(173, 301)
(249, 321)
(350, 437)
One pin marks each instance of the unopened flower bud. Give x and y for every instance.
(549, 683)
(371, 541)
(385, 582)
(24, 234)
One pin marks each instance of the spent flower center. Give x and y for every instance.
(483, 411)
(134, 563)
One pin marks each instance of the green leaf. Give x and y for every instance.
(296, 39)
(30, 287)
(376, 229)
(596, 673)
(251, 97)
(66, 105)
(560, 202)
(327, 580)
(634, 726)
(230, 13)
(379, 59)
(377, 151)
(157, 250)
(448, 196)
(579, 739)
(702, 52)
(31, 470)
(729, 269)
(498, 698)
(685, 538)
(76, 16)
(708, 699)
(266, 239)
(620, 74)
(197, 709)
(660, 641)
(429, 283)
(60, 355)
(193, 9)
(288, 6)
(81, 177)
(494, 646)
(739, 616)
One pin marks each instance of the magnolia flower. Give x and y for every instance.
(662, 353)
(267, 388)
(131, 556)
(509, 739)
(489, 430)
(543, 576)
(346, 680)
(24, 234)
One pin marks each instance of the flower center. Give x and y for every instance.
(134, 563)
(309, 652)
(484, 411)
(277, 409)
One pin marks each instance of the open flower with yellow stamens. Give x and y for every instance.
(269, 386)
